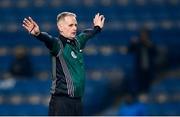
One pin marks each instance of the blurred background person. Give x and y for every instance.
(21, 65)
(144, 52)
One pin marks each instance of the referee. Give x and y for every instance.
(68, 73)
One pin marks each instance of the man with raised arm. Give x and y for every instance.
(68, 73)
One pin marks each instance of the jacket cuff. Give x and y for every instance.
(39, 35)
(97, 29)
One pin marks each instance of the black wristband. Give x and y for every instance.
(97, 29)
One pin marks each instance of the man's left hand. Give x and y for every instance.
(99, 20)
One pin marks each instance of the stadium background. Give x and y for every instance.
(107, 64)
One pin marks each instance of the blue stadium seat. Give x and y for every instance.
(23, 110)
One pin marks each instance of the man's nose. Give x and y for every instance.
(74, 28)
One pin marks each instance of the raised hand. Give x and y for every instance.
(31, 26)
(99, 20)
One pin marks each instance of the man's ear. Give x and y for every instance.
(59, 27)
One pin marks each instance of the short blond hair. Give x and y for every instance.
(62, 15)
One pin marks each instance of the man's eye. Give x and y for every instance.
(73, 25)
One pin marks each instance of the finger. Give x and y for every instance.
(27, 21)
(32, 21)
(26, 27)
(99, 17)
(96, 16)
(102, 19)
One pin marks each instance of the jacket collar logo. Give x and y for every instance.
(73, 54)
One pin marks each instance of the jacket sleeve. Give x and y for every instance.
(86, 35)
(50, 42)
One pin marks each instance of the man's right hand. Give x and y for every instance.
(31, 26)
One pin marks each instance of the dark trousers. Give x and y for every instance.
(62, 105)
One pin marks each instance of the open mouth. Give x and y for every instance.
(74, 33)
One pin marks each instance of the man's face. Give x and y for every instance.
(68, 27)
